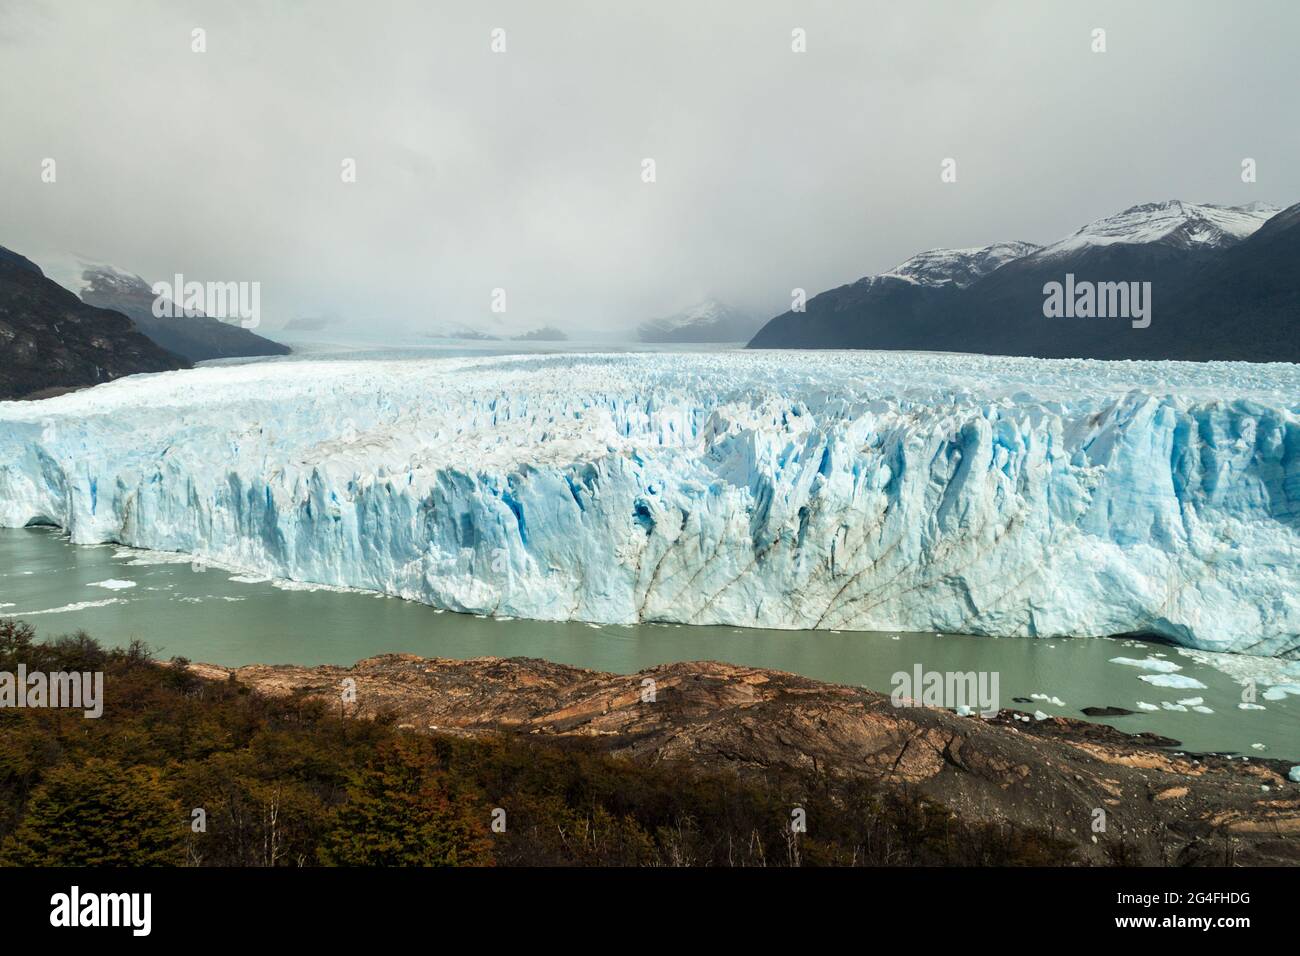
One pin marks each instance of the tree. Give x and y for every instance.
(98, 813)
(398, 812)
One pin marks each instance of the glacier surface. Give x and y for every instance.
(881, 491)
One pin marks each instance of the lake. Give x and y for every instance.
(219, 616)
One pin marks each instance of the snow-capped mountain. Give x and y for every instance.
(709, 321)
(195, 337)
(959, 267)
(1168, 247)
(1172, 223)
(887, 309)
(904, 492)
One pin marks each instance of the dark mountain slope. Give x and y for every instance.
(195, 337)
(1224, 284)
(49, 339)
(895, 310)
(1003, 314)
(1245, 304)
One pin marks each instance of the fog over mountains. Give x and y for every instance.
(775, 169)
(709, 321)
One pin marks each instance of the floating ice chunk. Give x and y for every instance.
(1246, 669)
(1039, 715)
(1056, 701)
(1279, 691)
(1148, 664)
(284, 584)
(1245, 706)
(140, 557)
(1202, 709)
(1143, 705)
(113, 584)
(1176, 681)
(1192, 701)
(1258, 747)
(79, 606)
(1294, 775)
(1167, 705)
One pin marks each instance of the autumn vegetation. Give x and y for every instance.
(183, 771)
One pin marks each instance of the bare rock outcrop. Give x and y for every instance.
(1058, 774)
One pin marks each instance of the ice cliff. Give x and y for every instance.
(791, 490)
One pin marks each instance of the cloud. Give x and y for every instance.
(522, 170)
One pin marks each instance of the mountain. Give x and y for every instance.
(49, 339)
(194, 336)
(709, 321)
(547, 333)
(1166, 244)
(959, 268)
(1174, 224)
(1245, 304)
(448, 329)
(1209, 280)
(885, 311)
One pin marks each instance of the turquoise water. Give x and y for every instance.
(204, 615)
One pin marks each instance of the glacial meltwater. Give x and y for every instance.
(222, 617)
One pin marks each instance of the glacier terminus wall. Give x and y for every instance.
(875, 491)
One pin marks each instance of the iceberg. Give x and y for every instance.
(1178, 681)
(836, 490)
(1148, 664)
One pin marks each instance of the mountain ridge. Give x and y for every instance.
(1173, 245)
(708, 321)
(52, 341)
(195, 337)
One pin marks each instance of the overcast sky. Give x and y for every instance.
(523, 169)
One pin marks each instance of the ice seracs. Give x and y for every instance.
(876, 491)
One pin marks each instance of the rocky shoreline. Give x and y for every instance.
(1060, 775)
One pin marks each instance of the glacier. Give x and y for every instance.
(840, 490)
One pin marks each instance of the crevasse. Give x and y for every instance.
(791, 490)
